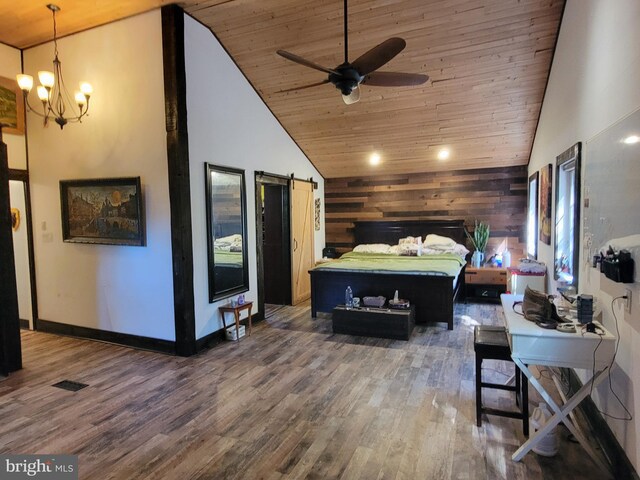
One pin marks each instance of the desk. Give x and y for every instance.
(533, 345)
(236, 315)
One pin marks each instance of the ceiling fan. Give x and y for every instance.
(346, 77)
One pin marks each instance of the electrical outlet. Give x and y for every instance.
(627, 305)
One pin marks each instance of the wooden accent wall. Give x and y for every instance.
(494, 195)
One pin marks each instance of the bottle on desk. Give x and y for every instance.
(348, 298)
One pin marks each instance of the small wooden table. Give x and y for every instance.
(236, 315)
(485, 283)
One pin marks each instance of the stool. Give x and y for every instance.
(491, 343)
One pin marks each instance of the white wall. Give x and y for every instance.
(594, 83)
(16, 146)
(115, 288)
(230, 125)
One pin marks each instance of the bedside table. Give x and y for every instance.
(485, 283)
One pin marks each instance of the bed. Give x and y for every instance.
(432, 292)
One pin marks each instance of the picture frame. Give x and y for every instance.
(317, 215)
(103, 211)
(11, 107)
(532, 216)
(546, 184)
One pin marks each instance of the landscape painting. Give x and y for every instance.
(107, 211)
(11, 107)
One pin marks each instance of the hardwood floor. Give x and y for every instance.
(291, 401)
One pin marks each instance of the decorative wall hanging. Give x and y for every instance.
(317, 224)
(546, 182)
(15, 219)
(106, 210)
(11, 107)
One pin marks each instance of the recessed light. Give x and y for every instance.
(443, 154)
(632, 139)
(374, 159)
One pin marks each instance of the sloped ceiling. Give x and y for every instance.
(488, 62)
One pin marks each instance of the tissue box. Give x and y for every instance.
(231, 332)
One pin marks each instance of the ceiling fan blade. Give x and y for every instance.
(394, 79)
(304, 87)
(353, 97)
(306, 63)
(379, 55)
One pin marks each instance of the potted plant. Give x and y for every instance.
(479, 239)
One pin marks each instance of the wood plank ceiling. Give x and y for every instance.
(488, 60)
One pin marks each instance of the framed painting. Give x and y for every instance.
(11, 107)
(105, 210)
(544, 225)
(532, 216)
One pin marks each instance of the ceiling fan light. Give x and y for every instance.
(353, 97)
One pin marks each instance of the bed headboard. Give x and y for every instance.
(391, 231)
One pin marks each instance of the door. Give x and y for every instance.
(17, 195)
(301, 240)
(277, 261)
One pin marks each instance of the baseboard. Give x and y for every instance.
(217, 337)
(209, 341)
(125, 339)
(620, 464)
(24, 324)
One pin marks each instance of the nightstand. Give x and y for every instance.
(485, 283)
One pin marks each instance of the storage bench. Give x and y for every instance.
(374, 322)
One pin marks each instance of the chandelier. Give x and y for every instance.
(56, 100)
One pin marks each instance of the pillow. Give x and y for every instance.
(457, 249)
(434, 241)
(394, 250)
(409, 249)
(372, 248)
(410, 241)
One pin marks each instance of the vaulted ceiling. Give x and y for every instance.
(488, 63)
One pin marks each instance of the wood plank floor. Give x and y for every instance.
(291, 401)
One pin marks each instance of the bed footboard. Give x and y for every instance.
(432, 295)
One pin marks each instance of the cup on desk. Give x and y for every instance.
(234, 302)
(356, 301)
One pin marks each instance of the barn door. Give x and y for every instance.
(301, 240)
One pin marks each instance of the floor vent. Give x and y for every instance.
(69, 385)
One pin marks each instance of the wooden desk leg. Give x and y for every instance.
(560, 413)
(250, 320)
(236, 314)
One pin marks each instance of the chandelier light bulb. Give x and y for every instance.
(43, 94)
(47, 79)
(86, 89)
(25, 82)
(81, 100)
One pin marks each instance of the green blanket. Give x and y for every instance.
(223, 257)
(446, 264)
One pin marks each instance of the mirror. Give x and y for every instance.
(532, 217)
(566, 253)
(226, 232)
